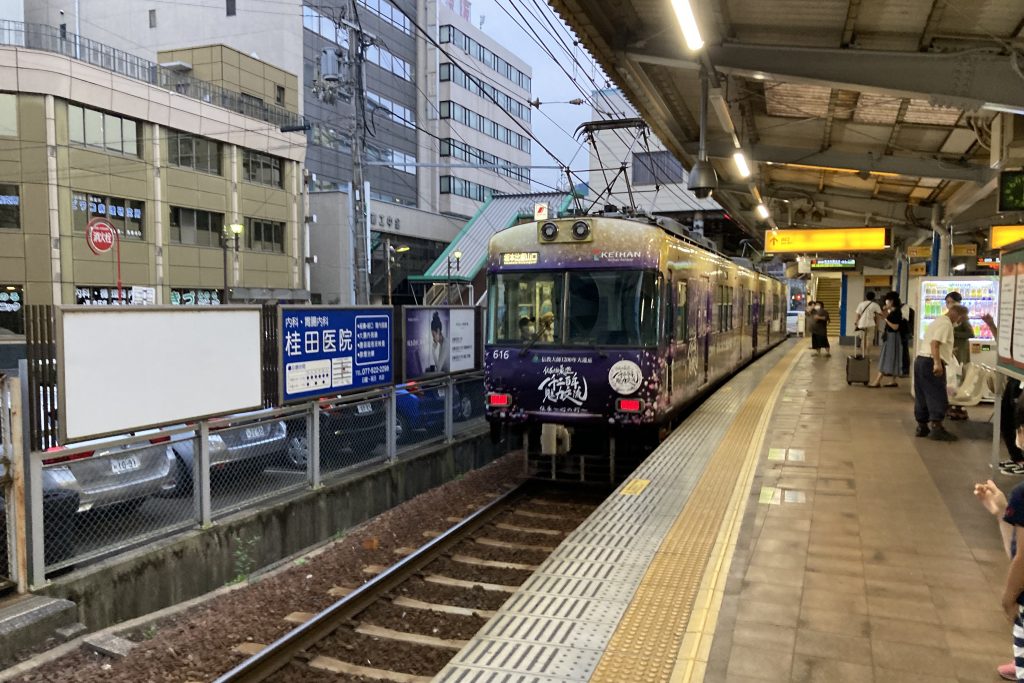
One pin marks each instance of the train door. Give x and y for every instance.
(683, 365)
(706, 302)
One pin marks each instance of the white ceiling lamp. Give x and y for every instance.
(688, 22)
(960, 266)
(762, 212)
(741, 164)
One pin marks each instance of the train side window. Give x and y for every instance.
(680, 312)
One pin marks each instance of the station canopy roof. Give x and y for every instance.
(854, 112)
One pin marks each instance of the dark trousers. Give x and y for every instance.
(930, 398)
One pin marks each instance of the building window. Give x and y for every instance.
(190, 151)
(10, 206)
(450, 34)
(474, 84)
(252, 106)
(657, 168)
(152, 18)
(12, 309)
(264, 235)
(279, 94)
(465, 188)
(468, 117)
(201, 228)
(472, 155)
(261, 168)
(125, 215)
(231, 8)
(98, 129)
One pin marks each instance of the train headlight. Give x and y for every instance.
(499, 400)
(629, 405)
(549, 232)
(580, 230)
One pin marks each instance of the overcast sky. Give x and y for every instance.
(550, 83)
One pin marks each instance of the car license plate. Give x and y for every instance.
(254, 432)
(364, 408)
(123, 465)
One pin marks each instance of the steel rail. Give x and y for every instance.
(278, 654)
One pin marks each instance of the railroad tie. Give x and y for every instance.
(410, 603)
(477, 562)
(299, 617)
(494, 543)
(247, 649)
(336, 666)
(459, 583)
(414, 638)
(528, 530)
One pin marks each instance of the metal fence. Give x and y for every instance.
(106, 496)
(60, 41)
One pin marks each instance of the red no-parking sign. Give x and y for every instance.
(100, 235)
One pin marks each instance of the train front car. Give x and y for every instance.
(575, 348)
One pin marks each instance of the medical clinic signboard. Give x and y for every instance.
(438, 340)
(326, 350)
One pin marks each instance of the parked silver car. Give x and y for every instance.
(122, 475)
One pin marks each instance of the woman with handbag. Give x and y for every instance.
(891, 355)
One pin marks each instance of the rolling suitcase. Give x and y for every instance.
(858, 369)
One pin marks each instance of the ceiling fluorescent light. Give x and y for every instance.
(688, 22)
(762, 212)
(741, 164)
(960, 266)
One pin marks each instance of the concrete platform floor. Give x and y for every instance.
(863, 555)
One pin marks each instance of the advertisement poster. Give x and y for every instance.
(1018, 314)
(327, 350)
(439, 341)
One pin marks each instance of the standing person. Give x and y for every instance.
(819, 329)
(890, 357)
(1011, 516)
(962, 335)
(933, 355)
(865, 321)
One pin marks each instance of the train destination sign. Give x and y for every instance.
(833, 263)
(1001, 235)
(325, 350)
(519, 258)
(826, 239)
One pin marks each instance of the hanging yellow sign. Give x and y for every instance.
(826, 240)
(877, 280)
(917, 269)
(965, 249)
(1001, 235)
(920, 251)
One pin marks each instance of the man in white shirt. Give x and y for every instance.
(865, 320)
(933, 354)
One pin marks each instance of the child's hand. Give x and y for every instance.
(991, 497)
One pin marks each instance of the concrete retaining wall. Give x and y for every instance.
(191, 564)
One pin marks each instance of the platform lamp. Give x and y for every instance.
(457, 255)
(391, 256)
(228, 238)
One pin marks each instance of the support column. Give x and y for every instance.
(53, 200)
(157, 213)
(942, 266)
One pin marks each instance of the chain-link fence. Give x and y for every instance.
(109, 495)
(353, 432)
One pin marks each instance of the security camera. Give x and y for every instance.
(61, 12)
(703, 179)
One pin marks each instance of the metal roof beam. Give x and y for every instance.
(911, 166)
(967, 80)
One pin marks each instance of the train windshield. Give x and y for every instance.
(612, 308)
(604, 308)
(525, 307)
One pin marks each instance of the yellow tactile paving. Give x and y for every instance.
(666, 633)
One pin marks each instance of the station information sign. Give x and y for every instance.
(325, 350)
(920, 251)
(1010, 321)
(826, 240)
(1002, 235)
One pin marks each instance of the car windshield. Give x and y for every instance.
(525, 307)
(612, 308)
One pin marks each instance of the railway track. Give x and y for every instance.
(405, 623)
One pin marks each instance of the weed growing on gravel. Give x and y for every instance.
(244, 560)
(301, 561)
(149, 632)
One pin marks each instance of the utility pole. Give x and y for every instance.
(357, 73)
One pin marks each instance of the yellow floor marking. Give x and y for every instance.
(681, 592)
(634, 487)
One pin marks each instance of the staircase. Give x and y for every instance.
(829, 291)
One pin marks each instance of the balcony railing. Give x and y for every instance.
(51, 39)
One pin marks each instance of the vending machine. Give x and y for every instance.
(979, 294)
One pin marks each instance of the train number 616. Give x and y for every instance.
(501, 354)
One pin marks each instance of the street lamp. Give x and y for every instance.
(229, 237)
(389, 257)
(457, 255)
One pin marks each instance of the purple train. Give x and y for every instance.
(601, 331)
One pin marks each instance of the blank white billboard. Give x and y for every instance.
(127, 368)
